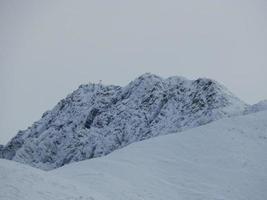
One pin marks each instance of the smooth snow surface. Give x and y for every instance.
(21, 182)
(224, 160)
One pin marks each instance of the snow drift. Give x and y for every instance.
(21, 182)
(224, 160)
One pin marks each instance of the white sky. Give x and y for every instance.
(48, 48)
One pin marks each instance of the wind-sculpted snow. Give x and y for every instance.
(95, 119)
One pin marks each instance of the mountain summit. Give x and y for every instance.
(96, 119)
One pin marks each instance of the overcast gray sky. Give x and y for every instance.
(48, 48)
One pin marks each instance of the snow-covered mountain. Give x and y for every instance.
(223, 160)
(95, 119)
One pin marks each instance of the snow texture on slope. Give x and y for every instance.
(95, 119)
(20, 182)
(224, 160)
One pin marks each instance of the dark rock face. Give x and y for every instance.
(1, 150)
(16, 143)
(95, 119)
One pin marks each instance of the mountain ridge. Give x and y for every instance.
(96, 119)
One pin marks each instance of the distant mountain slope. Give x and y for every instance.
(260, 106)
(95, 119)
(223, 160)
(20, 182)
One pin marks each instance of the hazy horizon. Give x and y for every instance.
(49, 48)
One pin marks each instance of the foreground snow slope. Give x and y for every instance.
(224, 160)
(20, 182)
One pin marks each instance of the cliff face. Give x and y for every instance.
(95, 119)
